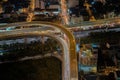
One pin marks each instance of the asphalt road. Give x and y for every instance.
(70, 57)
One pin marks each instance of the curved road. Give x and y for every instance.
(64, 58)
(70, 64)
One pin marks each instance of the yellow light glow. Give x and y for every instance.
(64, 12)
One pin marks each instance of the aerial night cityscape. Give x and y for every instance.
(59, 39)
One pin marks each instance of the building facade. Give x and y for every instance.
(73, 3)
